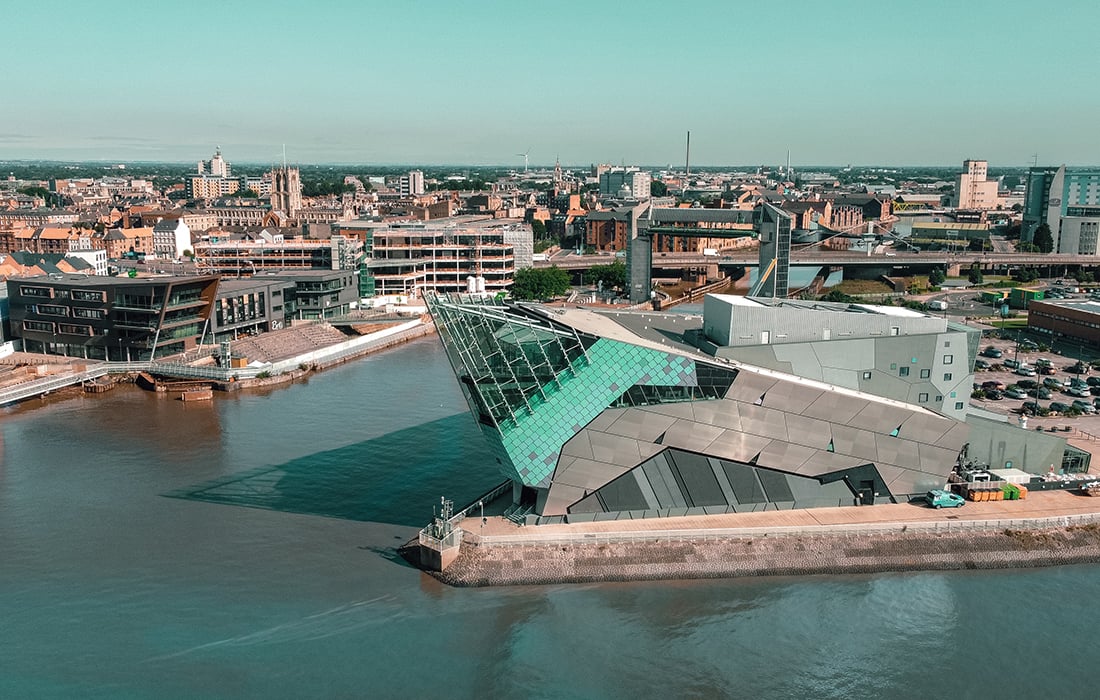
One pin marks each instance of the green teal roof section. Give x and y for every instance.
(534, 442)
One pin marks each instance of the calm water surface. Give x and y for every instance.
(244, 548)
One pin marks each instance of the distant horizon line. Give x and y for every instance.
(504, 166)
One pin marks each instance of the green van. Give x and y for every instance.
(944, 499)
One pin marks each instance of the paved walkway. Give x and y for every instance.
(1037, 505)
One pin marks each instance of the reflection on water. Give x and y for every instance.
(379, 480)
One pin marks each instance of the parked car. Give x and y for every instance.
(992, 352)
(1040, 393)
(993, 384)
(1084, 406)
(1028, 345)
(1027, 383)
(993, 395)
(944, 499)
(1077, 368)
(1092, 381)
(1025, 371)
(981, 364)
(1047, 370)
(1010, 363)
(1033, 408)
(1053, 383)
(1077, 391)
(1015, 393)
(1059, 407)
(1096, 403)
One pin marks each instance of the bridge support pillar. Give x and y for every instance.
(954, 269)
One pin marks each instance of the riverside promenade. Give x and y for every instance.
(1047, 528)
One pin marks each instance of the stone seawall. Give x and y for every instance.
(546, 563)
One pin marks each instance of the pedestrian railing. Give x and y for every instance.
(532, 537)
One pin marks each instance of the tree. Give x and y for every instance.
(838, 296)
(248, 194)
(1043, 239)
(657, 188)
(975, 275)
(538, 228)
(540, 284)
(936, 277)
(613, 276)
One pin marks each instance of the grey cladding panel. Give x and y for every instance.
(835, 407)
(854, 441)
(828, 462)
(698, 478)
(744, 482)
(605, 418)
(591, 504)
(587, 474)
(748, 386)
(664, 485)
(560, 498)
(724, 414)
(936, 460)
(766, 422)
(737, 446)
(691, 436)
(809, 431)
(785, 456)
(928, 429)
(640, 425)
(775, 485)
(578, 446)
(791, 397)
(880, 418)
(623, 494)
(614, 449)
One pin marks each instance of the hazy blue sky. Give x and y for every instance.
(920, 82)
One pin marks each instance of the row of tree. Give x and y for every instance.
(545, 283)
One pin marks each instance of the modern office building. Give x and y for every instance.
(1053, 194)
(599, 414)
(110, 318)
(252, 305)
(427, 256)
(317, 294)
(276, 252)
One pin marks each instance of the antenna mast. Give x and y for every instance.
(688, 163)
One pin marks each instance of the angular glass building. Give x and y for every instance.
(609, 414)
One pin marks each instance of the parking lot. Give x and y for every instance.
(1082, 427)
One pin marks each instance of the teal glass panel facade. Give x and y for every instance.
(533, 443)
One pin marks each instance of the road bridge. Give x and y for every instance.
(816, 256)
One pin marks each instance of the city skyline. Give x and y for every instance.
(433, 83)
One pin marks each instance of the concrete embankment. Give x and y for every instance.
(848, 553)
